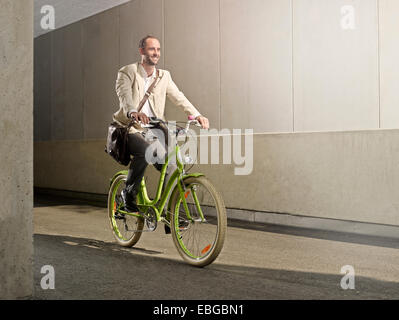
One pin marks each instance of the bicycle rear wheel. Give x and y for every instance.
(126, 229)
(199, 235)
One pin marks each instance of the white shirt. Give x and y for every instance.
(148, 81)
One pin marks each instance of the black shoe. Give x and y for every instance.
(119, 215)
(129, 202)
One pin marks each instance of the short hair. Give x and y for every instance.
(143, 41)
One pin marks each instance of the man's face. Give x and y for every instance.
(151, 52)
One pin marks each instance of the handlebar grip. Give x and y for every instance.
(191, 118)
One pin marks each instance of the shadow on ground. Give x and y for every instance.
(84, 206)
(92, 269)
(371, 240)
(48, 200)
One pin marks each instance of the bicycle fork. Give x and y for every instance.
(184, 193)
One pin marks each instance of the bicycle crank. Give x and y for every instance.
(151, 219)
(151, 222)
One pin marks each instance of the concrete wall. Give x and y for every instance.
(338, 175)
(336, 80)
(389, 64)
(276, 66)
(16, 148)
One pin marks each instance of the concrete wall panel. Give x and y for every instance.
(42, 88)
(335, 68)
(16, 149)
(256, 59)
(100, 65)
(138, 19)
(192, 55)
(67, 83)
(128, 51)
(389, 63)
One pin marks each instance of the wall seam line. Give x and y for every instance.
(292, 66)
(220, 67)
(119, 37)
(163, 33)
(83, 78)
(51, 138)
(379, 63)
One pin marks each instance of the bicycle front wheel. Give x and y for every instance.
(198, 229)
(127, 229)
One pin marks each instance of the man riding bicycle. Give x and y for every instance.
(142, 90)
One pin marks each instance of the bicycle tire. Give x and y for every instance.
(126, 238)
(208, 234)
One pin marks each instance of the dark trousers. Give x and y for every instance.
(138, 144)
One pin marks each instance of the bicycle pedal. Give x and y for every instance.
(119, 216)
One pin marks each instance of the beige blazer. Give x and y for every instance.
(130, 90)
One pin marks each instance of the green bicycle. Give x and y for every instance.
(195, 213)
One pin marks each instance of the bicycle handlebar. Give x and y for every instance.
(154, 121)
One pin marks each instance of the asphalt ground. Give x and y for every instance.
(258, 261)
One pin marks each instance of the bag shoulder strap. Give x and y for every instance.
(145, 98)
(148, 93)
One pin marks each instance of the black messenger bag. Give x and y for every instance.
(117, 143)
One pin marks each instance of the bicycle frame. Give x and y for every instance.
(162, 197)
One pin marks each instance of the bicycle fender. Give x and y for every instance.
(122, 172)
(195, 175)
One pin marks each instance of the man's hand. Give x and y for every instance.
(139, 116)
(204, 122)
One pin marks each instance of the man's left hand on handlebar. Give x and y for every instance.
(139, 116)
(204, 122)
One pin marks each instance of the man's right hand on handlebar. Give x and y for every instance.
(139, 116)
(204, 122)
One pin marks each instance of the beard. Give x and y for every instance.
(148, 60)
